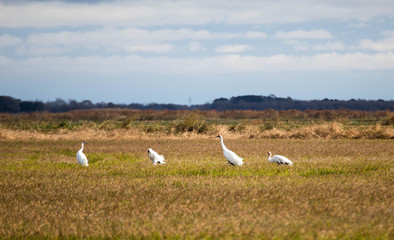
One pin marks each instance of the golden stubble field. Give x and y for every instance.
(336, 189)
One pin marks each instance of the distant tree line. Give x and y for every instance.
(253, 102)
(250, 102)
(12, 105)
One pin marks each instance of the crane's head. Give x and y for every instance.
(149, 150)
(83, 142)
(219, 136)
(269, 153)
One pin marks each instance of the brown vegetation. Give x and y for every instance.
(141, 115)
(130, 124)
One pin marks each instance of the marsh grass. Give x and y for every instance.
(336, 189)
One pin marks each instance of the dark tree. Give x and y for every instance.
(28, 106)
(9, 104)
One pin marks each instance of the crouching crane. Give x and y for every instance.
(155, 157)
(279, 159)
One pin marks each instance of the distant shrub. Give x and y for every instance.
(68, 125)
(152, 128)
(191, 123)
(236, 128)
(389, 120)
(109, 125)
(127, 122)
(266, 126)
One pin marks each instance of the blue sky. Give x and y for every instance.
(168, 51)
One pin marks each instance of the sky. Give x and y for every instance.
(172, 51)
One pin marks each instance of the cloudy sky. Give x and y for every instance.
(167, 51)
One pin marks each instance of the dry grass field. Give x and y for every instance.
(336, 189)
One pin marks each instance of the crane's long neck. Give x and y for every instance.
(81, 147)
(270, 157)
(221, 141)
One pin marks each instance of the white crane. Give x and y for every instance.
(229, 155)
(81, 157)
(279, 159)
(155, 157)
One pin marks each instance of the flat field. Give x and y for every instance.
(336, 189)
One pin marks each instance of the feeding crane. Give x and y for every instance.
(155, 157)
(279, 159)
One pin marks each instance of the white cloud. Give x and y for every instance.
(388, 33)
(357, 25)
(329, 46)
(196, 47)
(160, 48)
(302, 34)
(159, 13)
(233, 48)
(40, 50)
(105, 35)
(255, 35)
(224, 63)
(114, 39)
(7, 40)
(297, 44)
(385, 44)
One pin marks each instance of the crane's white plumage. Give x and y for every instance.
(155, 157)
(81, 157)
(229, 155)
(279, 159)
